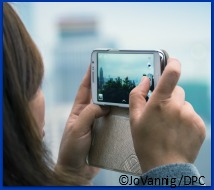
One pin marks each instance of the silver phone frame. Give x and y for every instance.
(159, 65)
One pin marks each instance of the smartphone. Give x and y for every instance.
(114, 73)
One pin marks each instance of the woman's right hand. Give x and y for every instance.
(76, 140)
(166, 129)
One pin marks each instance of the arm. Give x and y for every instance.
(166, 129)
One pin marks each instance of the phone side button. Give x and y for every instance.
(93, 77)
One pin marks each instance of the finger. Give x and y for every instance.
(188, 106)
(137, 98)
(179, 95)
(86, 119)
(168, 80)
(83, 96)
(199, 123)
(190, 115)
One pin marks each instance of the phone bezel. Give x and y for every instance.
(159, 64)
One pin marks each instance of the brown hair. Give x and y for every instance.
(26, 160)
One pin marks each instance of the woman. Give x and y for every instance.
(26, 160)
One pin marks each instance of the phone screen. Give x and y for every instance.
(119, 73)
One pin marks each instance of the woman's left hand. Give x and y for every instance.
(76, 140)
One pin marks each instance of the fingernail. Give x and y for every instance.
(143, 78)
(144, 82)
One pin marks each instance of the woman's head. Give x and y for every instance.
(23, 67)
(26, 160)
(23, 101)
(24, 62)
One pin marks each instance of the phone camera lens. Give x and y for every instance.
(149, 65)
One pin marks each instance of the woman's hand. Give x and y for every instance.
(76, 140)
(166, 129)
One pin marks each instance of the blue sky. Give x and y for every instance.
(131, 65)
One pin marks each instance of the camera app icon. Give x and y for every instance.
(100, 97)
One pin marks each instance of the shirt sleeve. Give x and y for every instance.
(173, 175)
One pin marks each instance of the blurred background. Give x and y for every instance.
(66, 33)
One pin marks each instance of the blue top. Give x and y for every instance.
(173, 175)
